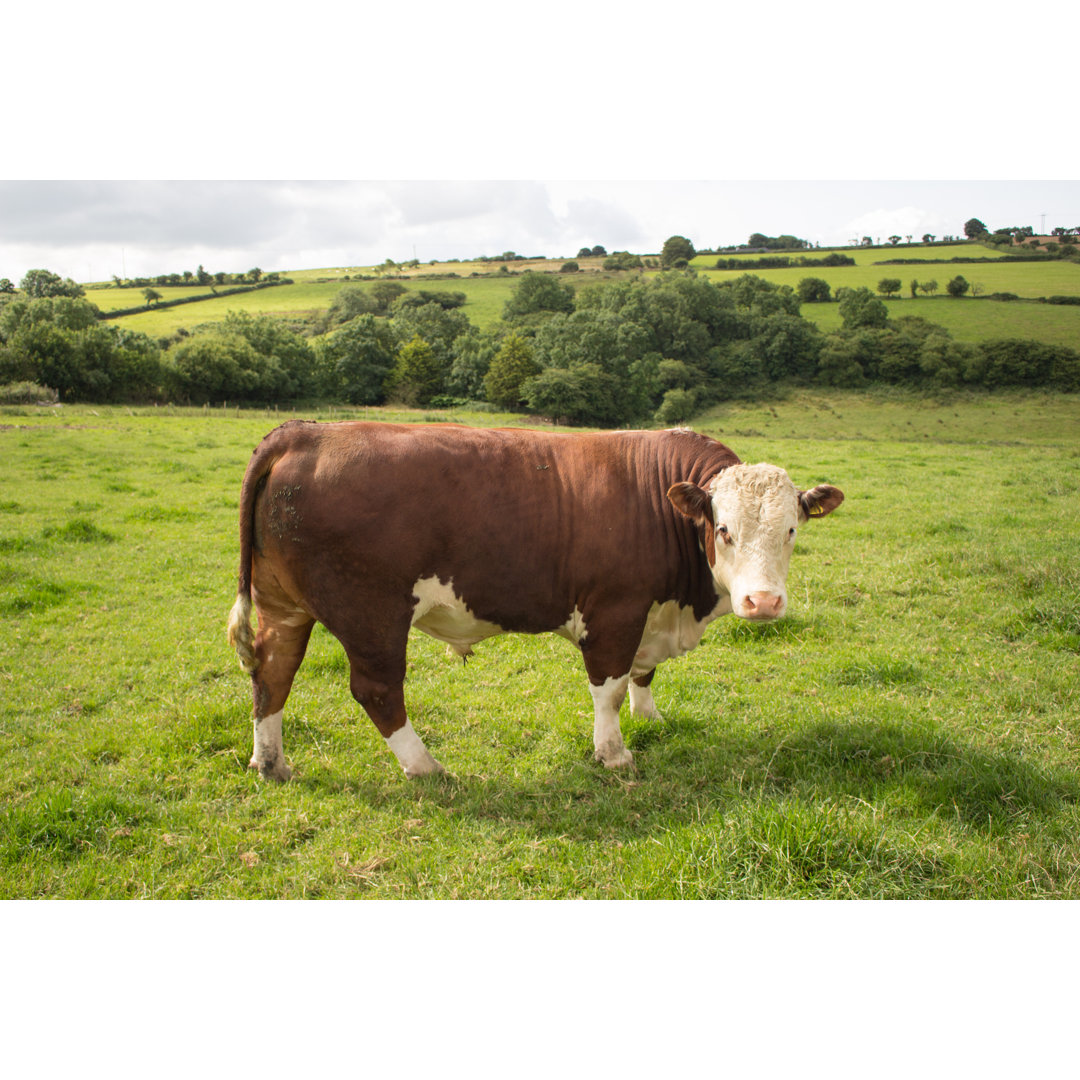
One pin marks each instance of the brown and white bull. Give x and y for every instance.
(627, 543)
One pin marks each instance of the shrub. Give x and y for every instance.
(677, 407)
(512, 365)
(958, 286)
(27, 393)
(860, 308)
(813, 290)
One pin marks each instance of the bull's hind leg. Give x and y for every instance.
(279, 648)
(379, 687)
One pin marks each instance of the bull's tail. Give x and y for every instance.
(238, 630)
(240, 634)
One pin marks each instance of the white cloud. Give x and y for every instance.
(903, 221)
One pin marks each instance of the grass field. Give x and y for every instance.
(314, 291)
(909, 730)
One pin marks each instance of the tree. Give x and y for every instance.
(814, 290)
(511, 366)
(622, 260)
(677, 407)
(41, 283)
(888, 286)
(974, 228)
(929, 287)
(860, 308)
(212, 366)
(599, 250)
(254, 274)
(539, 292)
(151, 295)
(6, 285)
(386, 292)
(417, 375)
(351, 301)
(894, 240)
(928, 238)
(675, 249)
(914, 286)
(958, 286)
(355, 361)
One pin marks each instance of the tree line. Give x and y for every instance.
(610, 353)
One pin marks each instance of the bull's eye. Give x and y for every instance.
(725, 535)
(791, 533)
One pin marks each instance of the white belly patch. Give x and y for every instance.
(670, 631)
(442, 614)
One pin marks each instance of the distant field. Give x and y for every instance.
(966, 320)
(1050, 278)
(974, 320)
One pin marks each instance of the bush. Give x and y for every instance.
(539, 292)
(677, 407)
(1017, 362)
(569, 267)
(512, 365)
(813, 290)
(958, 286)
(860, 308)
(353, 362)
(27, 393)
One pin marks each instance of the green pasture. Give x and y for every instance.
(1026, 280)
(909, 730)
(863, 256)
(972, 320)
(314, 290)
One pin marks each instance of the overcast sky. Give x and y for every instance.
(349, 136)
(92, 229)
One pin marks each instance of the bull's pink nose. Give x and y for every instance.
(762, 605)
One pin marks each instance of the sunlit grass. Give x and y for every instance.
(909, 730)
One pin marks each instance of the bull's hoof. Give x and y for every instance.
(615, 759)
(430, 767)
(275, 770)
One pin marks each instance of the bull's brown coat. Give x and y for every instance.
(339, 522)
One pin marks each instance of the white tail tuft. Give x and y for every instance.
(240, 634)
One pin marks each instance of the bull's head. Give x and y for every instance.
(749, 515)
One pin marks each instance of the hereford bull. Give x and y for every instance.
(627, 543)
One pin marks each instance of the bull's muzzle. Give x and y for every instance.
(761, 606)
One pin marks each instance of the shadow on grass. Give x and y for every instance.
(927, 771)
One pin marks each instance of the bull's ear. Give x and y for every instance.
(691, 501)
(819, 501)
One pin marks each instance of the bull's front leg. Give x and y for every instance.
(607, 735)
(641, 699)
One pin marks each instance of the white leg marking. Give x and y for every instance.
(411, 752)
(268, 756)
(641, 702)
(607, 736)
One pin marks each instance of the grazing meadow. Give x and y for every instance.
(909, 730)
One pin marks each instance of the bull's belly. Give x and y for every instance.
(671, 631)
(444, 615)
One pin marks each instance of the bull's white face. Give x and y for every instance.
(750, 516)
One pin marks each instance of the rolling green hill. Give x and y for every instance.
(968, 319)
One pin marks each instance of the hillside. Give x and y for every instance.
(969, 319)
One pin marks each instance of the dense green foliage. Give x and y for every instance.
(625, 349)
